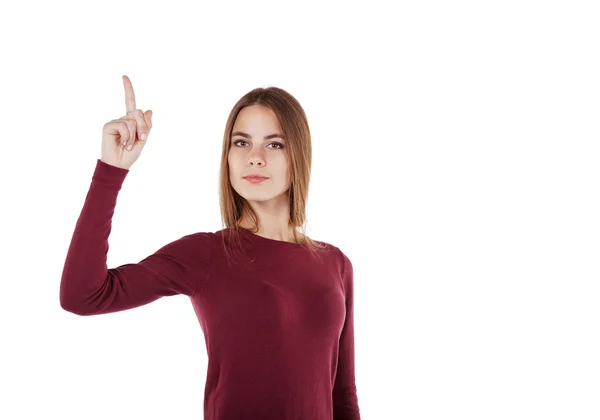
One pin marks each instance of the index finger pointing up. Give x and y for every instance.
(129, 95)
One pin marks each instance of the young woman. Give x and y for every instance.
(275, 307)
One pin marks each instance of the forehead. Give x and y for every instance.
(256, 116)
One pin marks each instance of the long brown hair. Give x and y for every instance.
(294, 126)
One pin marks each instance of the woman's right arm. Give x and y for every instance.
(88, 287)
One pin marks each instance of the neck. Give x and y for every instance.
(272, 233)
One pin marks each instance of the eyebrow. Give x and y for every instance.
(248, 136)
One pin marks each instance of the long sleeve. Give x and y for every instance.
(345, 400)
(88, 287)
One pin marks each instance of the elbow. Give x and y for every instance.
(75, 306)
(74, 309)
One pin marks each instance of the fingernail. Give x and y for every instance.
(130, 147)
(143, 136)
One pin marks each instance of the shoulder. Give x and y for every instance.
(191, 244)
(192, 240)
(340, 256)
(340, 259)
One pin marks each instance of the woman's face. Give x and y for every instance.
(253, 150)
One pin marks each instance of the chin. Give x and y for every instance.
(254, 197)
(248, 194)
(258, 195)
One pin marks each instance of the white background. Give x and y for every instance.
(455, 162)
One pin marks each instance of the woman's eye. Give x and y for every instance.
(280, 146)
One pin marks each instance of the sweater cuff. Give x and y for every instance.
(108, 175)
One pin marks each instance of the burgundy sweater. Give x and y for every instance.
(277, 321)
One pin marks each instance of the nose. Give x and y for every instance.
(256, 160)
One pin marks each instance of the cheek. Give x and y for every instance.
(231, 171)
(231, 161)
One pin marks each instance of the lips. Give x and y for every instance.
(255, 179)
